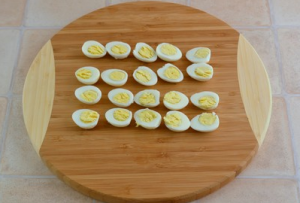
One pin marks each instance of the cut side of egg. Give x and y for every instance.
(199, 55)
(118, 50)
(205, 100)
(205, 122)
(87, 75)
(200, 71)
(175, 100)
(168, 52)
(170, 73)
(120, 97)
(147, 98)
(145, 76)
(88, 94)
(144, 52)
(86, 118)
(147, 118)
(118, 117)
(93, 49)
(177, 121)
(114, 77)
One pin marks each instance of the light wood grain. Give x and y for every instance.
(255, 89)
(38, 95)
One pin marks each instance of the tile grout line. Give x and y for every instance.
(268, 177)
(188, 2)
(29, 176)
(107, 3)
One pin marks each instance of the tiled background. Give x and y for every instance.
(273, 28)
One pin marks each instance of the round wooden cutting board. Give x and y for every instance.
(131, 164)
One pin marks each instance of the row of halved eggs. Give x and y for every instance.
(144, 52)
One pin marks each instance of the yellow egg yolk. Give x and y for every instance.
(143, 75)
(146, 52)
(89, 95)
(172, 97)
(121, 115)
(172, 73)
(202, 53)
(147, 116)
(122, 98)
(207, 102)
(95, 50)
(89, 116)
(119, 49)
(117, 75)
(147, 98)
(173, 119)
(84, 73)
(168, 49)
(207, 118)
(203, 72)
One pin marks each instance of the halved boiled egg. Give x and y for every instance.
(199, 55)
(168, 52)
(205, 100)
(120, 97)
(200, 71)
(147, 98)
(170, 73)
(114, 77)
(88, 94)
(205, 122)
(145, 76)
(144, 52)
(175, 100)
(147, 118)
(118, 117)
(87, 75)
(86, 118)
(118, 50)
(177, 121)
(93, 49)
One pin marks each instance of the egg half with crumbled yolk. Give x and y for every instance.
(147, 98)
(205, 100)
(168, 52)
(145, 76)
(118, 117)
(175, 100)
(147, 118)
(88, 94)
(199, 55)
(118, 50)
(87, 75)
(86, 118)
(177, 121)
(114, 77)
(200, 71)
(205, 122)
(121, 97)
(144, 52)
(170, 73)
(93, 49)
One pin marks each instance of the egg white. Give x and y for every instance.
(113, 92)
(196, 125)
(109, 115)
(195, 98)
(153, 80)
(168, 58)
(156, 94)
(191, 71)
(82, 89)
(160, 73)
(93, 79)
(77, 121)
(183, 102)
(138, 46)
(89, 43)
(190, 56)
(105, 77)
(185, 122)
(109, 45)
(151, 125)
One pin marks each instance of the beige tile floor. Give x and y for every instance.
(272, 26)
